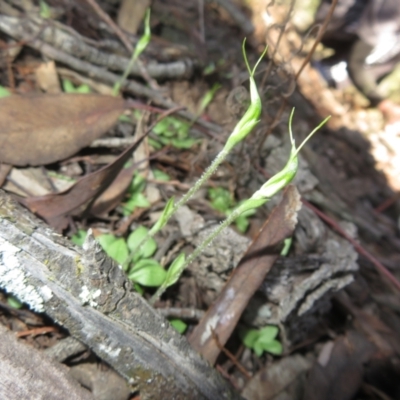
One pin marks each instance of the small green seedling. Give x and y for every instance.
(223, 201)
(174, 132)
(161, 175)
(69, 87)
(134, 254)
(207, 99)
(287, 244)
(4, 92)
(13, 302)
(79, 237)
(140, 47)
(45, 11)
(141, 268)
(262, 340)
(179, 325)
(239, 133)
(259, 198)
(136, 198)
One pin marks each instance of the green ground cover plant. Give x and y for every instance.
(262, 340)
(135, 252)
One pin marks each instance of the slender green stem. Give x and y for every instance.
(127, 71)
(209, 171)
(224, 224)
(141, 45)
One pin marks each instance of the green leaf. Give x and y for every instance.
(175, 269)
(68, 86)
(268, 333)
(148, 273)
(125, 118)
(179, 325)
(13, 302)
(115, 247)
(83, 89)
(258, 349)
(145, 39)
(45, 11)
(147, 249)
(249, 337)
(251, 117)
(154, 143)
(221, 199)
(242, 223)
(164, 216)
(287, 243)
(172, 131)
(273, 347)
(136, 237)
(160, 175)
(262, 340)
(138, 288)
(79, 237)
(138, 184)
(4, 92)
(161, 126)
(140, 46)
(207, 98)
(186, 143)
(136, 200)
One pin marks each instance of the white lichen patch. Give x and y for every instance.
(46, 293)
(113, 353)
(88, 297)
(13, 279)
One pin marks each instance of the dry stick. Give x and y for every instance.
(305, 62)
(124, 39)
(231, 356)
(234, 11)
(317, 39)
(276, 45)
(106, 18)
(378, 265)
(94, 71)
(37, 331)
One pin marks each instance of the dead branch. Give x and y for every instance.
(27, 373)
(87, 293)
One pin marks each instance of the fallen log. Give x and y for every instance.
(87, 293)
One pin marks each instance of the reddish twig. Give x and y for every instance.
(106, 18)
(230, 356)
(387, 203)
(317, 39)
(37, 331)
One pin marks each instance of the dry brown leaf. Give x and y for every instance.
(113, 195)
(41, 129)
(4, 171)
(341, 377)
(55, 208)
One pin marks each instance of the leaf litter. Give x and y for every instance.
(43, 129)
(56, 209)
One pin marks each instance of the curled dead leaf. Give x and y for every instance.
(41, 129)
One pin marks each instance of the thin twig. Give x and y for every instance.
(380, 267)
(117, 30)
(317, 39)
(230, 356)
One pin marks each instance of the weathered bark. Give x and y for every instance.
(87, 293)
(28, 374)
